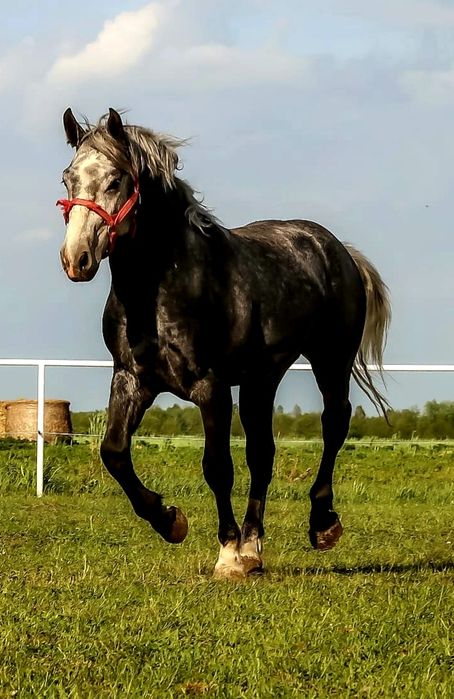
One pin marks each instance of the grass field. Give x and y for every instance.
(93, 604)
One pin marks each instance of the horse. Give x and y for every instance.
(195, 308)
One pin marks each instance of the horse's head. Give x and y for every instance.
(102, 195)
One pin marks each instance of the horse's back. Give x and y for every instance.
(296, 252)
(303, 280)
(273, 231)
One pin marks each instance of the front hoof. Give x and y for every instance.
(229, 565)
(229, 572)
(326, 540)
(252, 565)
(175, 528)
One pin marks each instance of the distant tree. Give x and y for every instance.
(80, 422)
(237, 427)
(439, 418)
(307, 426)
(405, 422)
(359, 413)
(435, 422)
(282, 423)
(193, 421)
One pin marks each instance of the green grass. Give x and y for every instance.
(94, 604)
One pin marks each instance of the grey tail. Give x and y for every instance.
(378, 317)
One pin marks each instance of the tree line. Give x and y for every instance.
(434, 421)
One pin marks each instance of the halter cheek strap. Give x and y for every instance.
(112, 220)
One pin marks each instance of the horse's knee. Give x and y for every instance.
(336, 405)
(260, 460)
(218, 473)
(336, 421)
(114, 455)
(321, 495)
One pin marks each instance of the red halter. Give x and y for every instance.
(111, 220)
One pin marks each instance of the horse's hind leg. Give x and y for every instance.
(128, 402)
(325, 527)
(215, 403)
(256, 413)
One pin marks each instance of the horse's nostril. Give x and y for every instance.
(83, 261)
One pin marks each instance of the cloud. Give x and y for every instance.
(403, 13)
(183, 56)
(18, 60)
(119, 46)
(219, 66)
(432, 87)
(128, 37)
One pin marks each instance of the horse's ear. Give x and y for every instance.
(115, 126)
(74, 131)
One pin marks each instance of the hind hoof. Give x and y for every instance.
(326, 540)
(177, 529)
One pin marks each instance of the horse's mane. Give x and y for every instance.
(152, 153)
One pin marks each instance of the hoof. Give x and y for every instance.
(251, 555)
(177, 528)
(326, 540)
(228, 572)
(229, 565)
(252, 565)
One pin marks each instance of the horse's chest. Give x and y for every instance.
(180, 358)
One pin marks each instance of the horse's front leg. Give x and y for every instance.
(127, 404)
(215, 402)
(256, 413)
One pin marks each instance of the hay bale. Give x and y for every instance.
(22, 415)
(3, 404)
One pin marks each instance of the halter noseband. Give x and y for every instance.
(112, 220)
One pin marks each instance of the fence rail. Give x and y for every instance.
(41, 365)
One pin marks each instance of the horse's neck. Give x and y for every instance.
(142, 259)
(166, 243)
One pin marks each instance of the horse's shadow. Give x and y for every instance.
(416, 567)
(288, 571)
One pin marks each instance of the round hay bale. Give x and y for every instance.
(3, 404)
(22, 415)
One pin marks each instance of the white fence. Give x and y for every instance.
(41, 365)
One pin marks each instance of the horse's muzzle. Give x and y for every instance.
(82, 269)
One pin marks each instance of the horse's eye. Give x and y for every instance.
(114, 185)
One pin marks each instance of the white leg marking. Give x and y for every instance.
(229, 563)
(251, 555)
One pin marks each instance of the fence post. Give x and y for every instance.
(40, 430)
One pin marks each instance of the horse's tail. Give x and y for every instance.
(378, 317)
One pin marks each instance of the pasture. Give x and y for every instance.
(95, 604)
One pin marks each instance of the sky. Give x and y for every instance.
(341, 112)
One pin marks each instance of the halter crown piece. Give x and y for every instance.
(112, 220)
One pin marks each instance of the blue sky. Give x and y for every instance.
(341, 112)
